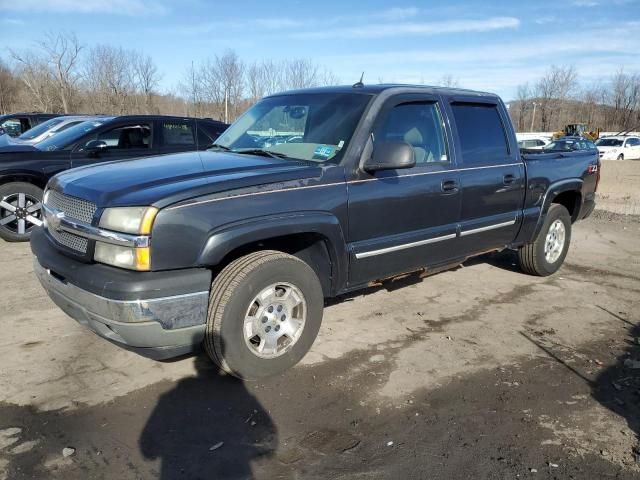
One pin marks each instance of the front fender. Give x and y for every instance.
(223, 240)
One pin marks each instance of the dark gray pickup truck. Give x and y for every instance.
(308, 195)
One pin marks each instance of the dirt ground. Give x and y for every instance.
(478, 372)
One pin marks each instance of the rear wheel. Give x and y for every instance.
(547, 252)
(20, 210)
(621, 157)
(265, 311)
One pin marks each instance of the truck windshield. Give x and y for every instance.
(70, 135)
(314, 127)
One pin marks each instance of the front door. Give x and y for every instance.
(124, 140)
(401, 220)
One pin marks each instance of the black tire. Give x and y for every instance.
(8, 192)
(233, 291)
(532, 256)
(621, 157)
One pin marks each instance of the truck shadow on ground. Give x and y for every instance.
(616, 387)
(208, 426)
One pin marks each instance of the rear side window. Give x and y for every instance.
(481, 133)
(178, 133)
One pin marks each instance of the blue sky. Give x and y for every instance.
(488, 45)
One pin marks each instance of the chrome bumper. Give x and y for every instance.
(158, 327)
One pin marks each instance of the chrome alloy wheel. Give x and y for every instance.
(554, 243)
(275, 320)
(20, 212)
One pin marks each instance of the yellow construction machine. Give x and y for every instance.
(577, 130)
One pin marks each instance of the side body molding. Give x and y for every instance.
(229, 237)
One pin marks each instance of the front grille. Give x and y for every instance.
(69, 240)
(72, 207)
(76, 209)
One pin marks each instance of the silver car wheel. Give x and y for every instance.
(554, 243)
(20, 212)
(275, 320)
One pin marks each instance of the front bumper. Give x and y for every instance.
(160, 323)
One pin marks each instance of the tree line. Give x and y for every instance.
(60, 74)
(558, 98)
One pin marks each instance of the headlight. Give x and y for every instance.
(131, 258)
(136, 220)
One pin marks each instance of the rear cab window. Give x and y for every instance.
(178, 132)
(483, 139)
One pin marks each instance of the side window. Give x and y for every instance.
(126, 137)
(481, 133)
(633, 142)
(12, 127)
(178, 133)
(539, 143)
(420, 125)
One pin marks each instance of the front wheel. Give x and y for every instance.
(547, 252)
(621, 157)
(265, 311)
(20, 211)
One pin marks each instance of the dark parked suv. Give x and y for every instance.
(25, 169)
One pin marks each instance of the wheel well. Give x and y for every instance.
(571, 200)
(312, 248)
(38, 182)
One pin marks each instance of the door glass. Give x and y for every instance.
(481, 133)
(178, 133)
(127, 137)
(12, 127)
(419, 125)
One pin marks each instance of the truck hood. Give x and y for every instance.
(166, 179)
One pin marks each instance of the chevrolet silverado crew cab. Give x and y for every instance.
(236, 247)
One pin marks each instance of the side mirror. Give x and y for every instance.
(391, 156)
(94, 147)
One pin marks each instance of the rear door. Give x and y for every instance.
(492, 177)
(124, 139)
(177, 135)
(401, 220)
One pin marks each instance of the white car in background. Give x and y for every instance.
(619, 147)
(47, 129)
(533, 143)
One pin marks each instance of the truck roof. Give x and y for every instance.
(375, 89)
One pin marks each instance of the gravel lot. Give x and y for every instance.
(478, 372)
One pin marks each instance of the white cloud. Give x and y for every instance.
(398, 13)
(12, 21)
(413, 28)
(118, 7)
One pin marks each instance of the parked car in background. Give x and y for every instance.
(532, 143)
(236, 248)
(25, 169)
(621, 147)
(570, 144)
(15, 124)
(44, 130)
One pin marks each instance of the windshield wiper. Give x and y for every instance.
(259, 151)
(218, 146)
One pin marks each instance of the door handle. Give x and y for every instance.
(509, 179)
(450, 186)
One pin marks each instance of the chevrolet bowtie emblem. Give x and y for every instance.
(54, 220)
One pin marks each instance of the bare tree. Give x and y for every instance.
(625, 99)
(9, 88)
(146, 78)
(109, 73)
(552, 91)
(36, 77)
(61, 52)
(525, 102)
(223, 83)
(447, 80)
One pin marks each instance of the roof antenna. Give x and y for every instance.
(359, 83)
